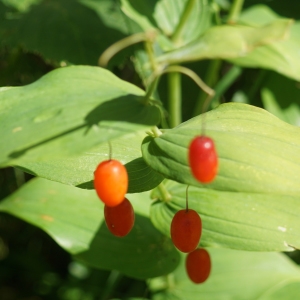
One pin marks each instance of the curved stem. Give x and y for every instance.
(185, 15)
(174, 84)
(192, 75)
(124, 43)
(211, 79)
(164, 193)
(235, 10)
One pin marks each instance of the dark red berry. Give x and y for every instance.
(111, 182)
(186, 229)
(119, 219)
(203, 159)
(198, 265)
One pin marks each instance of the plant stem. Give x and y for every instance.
(229, 78)
(210, 79)
(257, 84)
(164, 193)
(185, 15)
(174, 84)
(235, 10)
(150, 90)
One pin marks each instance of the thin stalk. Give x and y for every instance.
(235, 10)
(124, 43)
(174, 84)
(229, 78)
(257, 84)
(185, 15)
(186, 199)
(109, 150)
(210, 79)
(112, 282)
(150, 90)
(164, 193)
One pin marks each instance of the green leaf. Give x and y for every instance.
(280, 96)
(236, 275)
(74, 218)
(78, 170)
(165, 15)
(228, 41)
(69, 111)
(20, 5)
(60, 30)
(258, 153)
(282, 57)
(244, 221)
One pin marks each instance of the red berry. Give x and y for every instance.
(198, 265)
(186, 229)
(111, 182)
(203, 159)
(119, 219)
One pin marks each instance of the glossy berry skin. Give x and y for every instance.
(119, 219)
(111, 182)
(198, 265)
(203, 159)
(186, 229)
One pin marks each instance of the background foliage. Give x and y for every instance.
(55, 128)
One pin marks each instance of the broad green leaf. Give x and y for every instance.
(258, 153)
(245, 221)
(236, 275)
(283, 57)
(69, 111)
(228, 41)
(166, 15)
(280, 96)
(79, 170)
(74, 219)
(60, 30)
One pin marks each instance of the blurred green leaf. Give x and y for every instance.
(20, 5)
(280, 96)
(228, 41)
(69, 111)
(79, 170)
(283, 57)
(237, 275)
(165, 15)
(60, 30)
(74, 218)
(258, 153)
(244, 221)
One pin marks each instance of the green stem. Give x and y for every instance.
(235, 10)
(257, 84)
(151, 89)
(210, 79)
(164, 193)
(174, 84)
(185, 15)
(229, 78)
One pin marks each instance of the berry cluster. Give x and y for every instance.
(186, 225)
(111, 184)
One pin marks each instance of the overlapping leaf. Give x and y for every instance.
(228, 41)
(69, 111)
(244, 221)
(236, 275)
(258, 153)
(60, 30)
(283, 57)
(78, 170)
(166, 15)
(74, 218)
